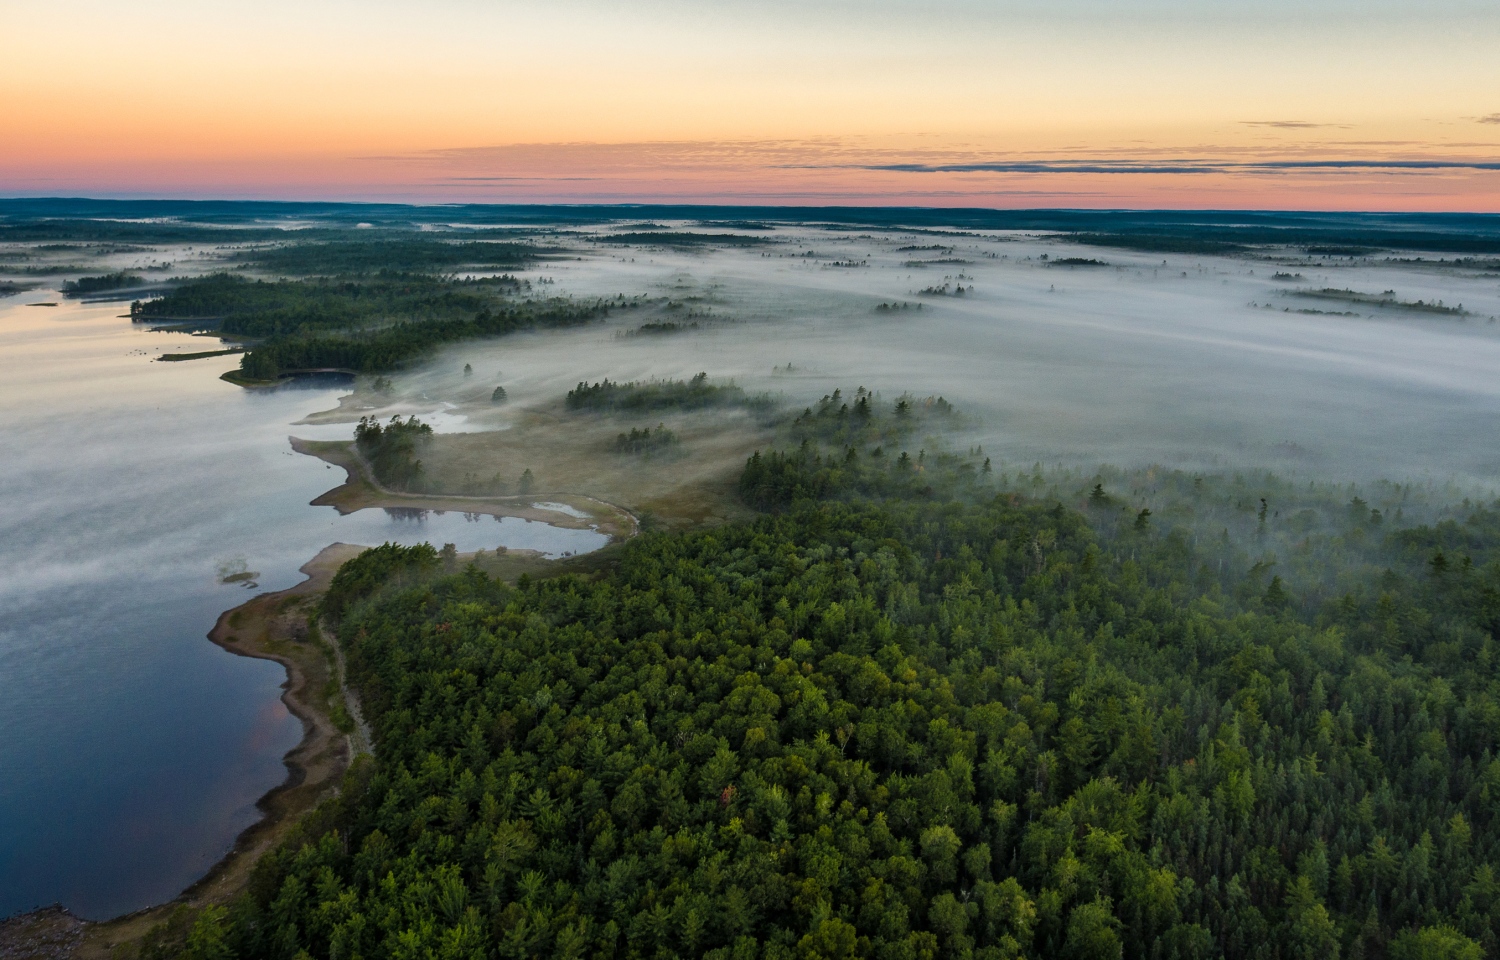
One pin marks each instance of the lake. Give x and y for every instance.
(132, 750)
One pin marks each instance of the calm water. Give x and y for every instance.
(132, 750)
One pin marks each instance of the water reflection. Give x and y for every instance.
(139, 495)
(466, 531)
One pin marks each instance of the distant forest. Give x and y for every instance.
(1203, 231)
(663, 239)
(655, 395)
(86, 286)
(401, 254)
(368, 324)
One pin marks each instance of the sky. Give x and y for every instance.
(1317, 104)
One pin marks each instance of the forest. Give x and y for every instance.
(351, 324)
(689, 240)
(405, 254)
(920, 711)
(85, 286)
(1196, 231)
(650, 395)
(393, 450)
(646, 442)
(269, 308)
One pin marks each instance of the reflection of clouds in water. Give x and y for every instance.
(466, 531)
(441, 419)
(408, 514)
(270, 720)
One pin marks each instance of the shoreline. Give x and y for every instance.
(360, 490)
(274, 626)
(281, 627)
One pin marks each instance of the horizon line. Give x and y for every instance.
(721, 204)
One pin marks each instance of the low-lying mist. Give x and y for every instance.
(1072, 356)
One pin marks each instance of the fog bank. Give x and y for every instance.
(1197, 362)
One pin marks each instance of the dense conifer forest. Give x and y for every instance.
(398, 253)
(909, 714)
(367, 324)
(393, 450)
(87, 286)
(653, 395)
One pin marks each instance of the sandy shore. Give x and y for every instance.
(360, 490)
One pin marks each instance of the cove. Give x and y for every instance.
(133, 750)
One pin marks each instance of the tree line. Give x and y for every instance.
(642, 396)
(392, 449)
(368, 325)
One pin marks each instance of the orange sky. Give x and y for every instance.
(1139, 103)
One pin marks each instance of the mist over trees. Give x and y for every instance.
(653, 395)
(104, 283)
(886, 721)
(370, 325)
(925, 703)
(392, 253)
(392, 450)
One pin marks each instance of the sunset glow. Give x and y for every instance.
(1151, 103)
